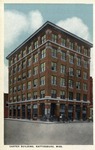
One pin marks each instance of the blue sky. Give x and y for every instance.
(21, 20)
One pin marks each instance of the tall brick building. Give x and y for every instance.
(49, 74)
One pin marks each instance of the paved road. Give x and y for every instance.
(28, 133)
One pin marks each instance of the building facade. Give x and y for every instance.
(5, 105)
(49, 74)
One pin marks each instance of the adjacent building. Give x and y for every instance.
(49, 74)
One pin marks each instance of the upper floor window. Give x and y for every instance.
(85, 52)
(43, 53)
(29, 61)
(54, 38)
(15, 79)
(78, 61)
(71, 84)
(84, 97)
(35, 57)
(19, 77)
(54, 52)
(63, 56)
(24, 75)
(42, 81)
(29, 73)
(53, 80)
(24, 53)
(78, 73)
(29, 85)
(42, 67)
(63, 69)
(53, 66)
(78, 96)
(62, 94)
(19, 87)
(71, 71)
(15, 59)
(85, 75)
(42, 93)
(62, 82)
(23, 86)
(14, 69)
(63, 42)
(29, 49)
(19, 56)
(85, 63)
(35, 70)
(24, 64)
(70, 95)
(35, 95)
(23, 97)
(78, 49)
(84, 86)
(43, 39)
(71, 45)
(36, 44)
(35, 82)
(28, 96)
(71, 59)
(78, 85)
(19, 67)
(53, 93)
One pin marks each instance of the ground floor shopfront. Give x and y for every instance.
(70, 110)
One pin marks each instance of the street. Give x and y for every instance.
(33, 133)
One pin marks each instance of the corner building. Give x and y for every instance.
(49, 74)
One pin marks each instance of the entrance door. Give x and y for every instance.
(29, 111)
(53, 109)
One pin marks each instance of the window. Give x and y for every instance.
(29, 74)
(24, 76)
(70, 95)
(78, 73)
(18, 98)
(36, 44)
(84, 86)
(78, 96)
(84, 97)
(63, 41)
(43, 53)
(14, 98)
(14, 89)
(85, 75)
(54, 38)
(42, 67)
(54, 52)
(35, 82)
(53, 80)
(71, 71)
(62, 94)
(85, 63)
(23, 53)
(42, 81)
(43, 38)
(53, 66)
(19, 67)
(63, 69)
(71, 84)
(29, 85)
(19, 77)
(71, 45)
(14, 69)
(23, 97)
(85, 52)
(29, 61)
(35, 95)
(78, 85)
(71, 59)
(19, 87)
(35, 58)
(24, 64)
(10, 90)
(78, 49)
(53, 93)
(10, 81)
(35, 70)
(63, 56)
(19, 56)
(78, 61)
(28, 96)
(15, 59)
(29, 49)
(62, 82)
(42, 94)
(23, 86)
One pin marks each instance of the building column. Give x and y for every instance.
(38, 104)
(74, 112)
(58, 109)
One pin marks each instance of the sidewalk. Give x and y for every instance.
(45, 122)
